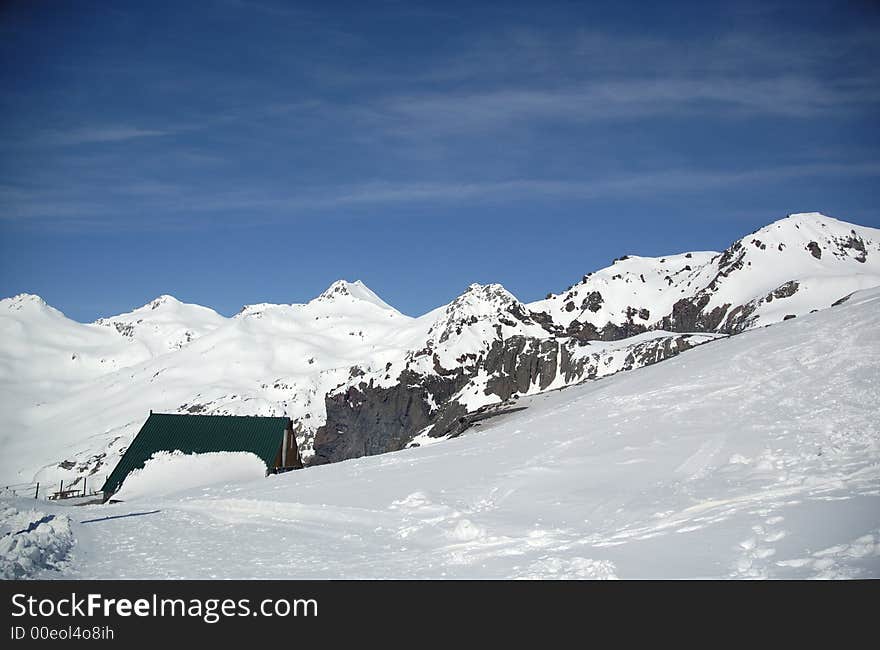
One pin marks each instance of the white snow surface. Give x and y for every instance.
(33, 544)
(755, 456)
(168, 472)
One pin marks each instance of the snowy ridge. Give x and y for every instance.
(165, 324)
(638, 293)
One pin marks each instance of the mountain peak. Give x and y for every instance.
(28, 301)
(808, 220)
(25, 298)
(481, 300)
(159, 301)
(356, 290)
(807, 216)
(492, 292)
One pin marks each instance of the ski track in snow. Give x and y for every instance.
(754, 457)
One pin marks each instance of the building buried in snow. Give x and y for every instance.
(272, 439)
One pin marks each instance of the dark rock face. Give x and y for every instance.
(740, 318)
(814, 249)
(612, 332)
(366, 420)
(688, 315)
(857, 244)
(545, 320)
(593, 301)
(583, 332)
(517, 363)
(786, 290)
(652, 352)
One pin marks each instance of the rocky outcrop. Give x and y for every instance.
(742, 317)
(690, 315)
(364, 419)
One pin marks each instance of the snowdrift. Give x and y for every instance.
(170, 472)
(32, 543)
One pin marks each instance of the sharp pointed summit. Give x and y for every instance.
(356, 290)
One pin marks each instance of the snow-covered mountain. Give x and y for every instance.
(360, 378)
(801, 262)
(754, 457)
(165, 324)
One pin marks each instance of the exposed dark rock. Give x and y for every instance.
(741, 317)
(593, 301)
(856, 243)
(786, 290)
(652, 352)
(583, 332)
(545, 320)
(814, 249)
(612, 332)
(688, 316)
(518, 363)
(365, 420)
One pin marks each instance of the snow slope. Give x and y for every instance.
(757, 456)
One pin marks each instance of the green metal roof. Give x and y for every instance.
(198, 434)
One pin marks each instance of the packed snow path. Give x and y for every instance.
(750, 457)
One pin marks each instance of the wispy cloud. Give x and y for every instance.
(182, 205)
(429, 113)
(96, 134)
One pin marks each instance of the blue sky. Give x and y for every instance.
(242, 151)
